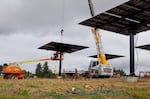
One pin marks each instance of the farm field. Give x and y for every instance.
(104, 88)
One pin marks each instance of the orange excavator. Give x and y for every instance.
(13, 70)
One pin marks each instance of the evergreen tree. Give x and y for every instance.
(46, 70)
(38, 70)
(120, 71)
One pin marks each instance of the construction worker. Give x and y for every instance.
(75, 75)
(53, 70)
(56, 55)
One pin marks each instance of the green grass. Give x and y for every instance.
(139, 94)
(14, 94)
(115, 88)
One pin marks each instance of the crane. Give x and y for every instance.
(12, 70)
(100, 68)
(100, 53)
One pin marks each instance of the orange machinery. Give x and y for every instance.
(12, 70)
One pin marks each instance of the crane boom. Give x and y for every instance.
(100, 53)
(55, 57)
(33, 60)
(91, 8)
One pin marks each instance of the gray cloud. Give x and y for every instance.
(38, 16)
(33, 23)
(30, 15)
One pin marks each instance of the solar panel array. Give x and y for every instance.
(108, 56)
(133, 16)
(62, 47)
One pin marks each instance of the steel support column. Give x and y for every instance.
(132, 54)
(60, 62)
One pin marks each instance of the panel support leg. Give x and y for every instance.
(132, 55)
(60, 64)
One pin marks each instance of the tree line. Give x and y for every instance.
(120, 71)
(43, 71)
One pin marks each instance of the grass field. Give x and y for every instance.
(106, 88)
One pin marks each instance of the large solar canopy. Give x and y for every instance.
(108, 56)
(146, 47)
(62, 47)
(128, 18)
(132, 15)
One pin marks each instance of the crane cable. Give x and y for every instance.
(62, 22)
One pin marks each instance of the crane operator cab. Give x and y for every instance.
(100, 70)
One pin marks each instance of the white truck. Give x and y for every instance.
(100, 67)
(98, 70)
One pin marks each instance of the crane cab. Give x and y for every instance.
(99, 70)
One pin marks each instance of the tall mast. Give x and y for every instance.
(100, 53)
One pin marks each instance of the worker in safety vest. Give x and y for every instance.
(53, 70)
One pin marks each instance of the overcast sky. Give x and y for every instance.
(26, 25)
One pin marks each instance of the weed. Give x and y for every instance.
(52, 94)
(24, 93)
(97, 97)
(32, 86)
